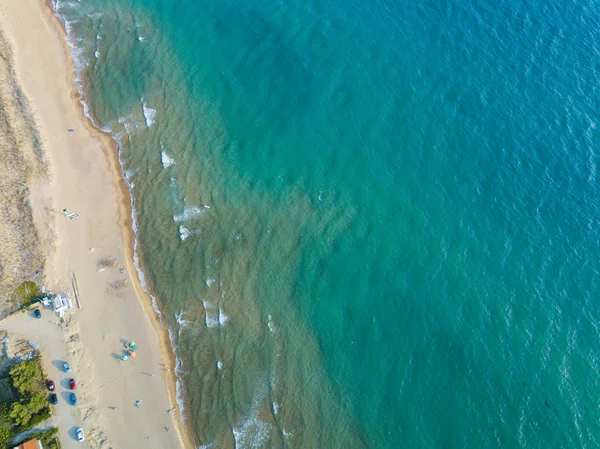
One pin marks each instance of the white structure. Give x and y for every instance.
(61, 303)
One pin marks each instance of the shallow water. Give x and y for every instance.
(366, 224)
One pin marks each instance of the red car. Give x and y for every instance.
(51, 386)
(72, 385)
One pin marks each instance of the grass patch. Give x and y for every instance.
(26, 293)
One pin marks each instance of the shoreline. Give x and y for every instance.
(111, 152)
(124, 213)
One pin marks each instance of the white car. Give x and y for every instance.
(67, 367)
(80, 435)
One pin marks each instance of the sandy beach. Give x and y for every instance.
(84, 178)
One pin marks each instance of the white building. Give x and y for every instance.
(61, 303)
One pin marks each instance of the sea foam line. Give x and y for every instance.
(79, 62)
(78, 67)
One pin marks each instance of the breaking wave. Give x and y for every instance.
(166, 160)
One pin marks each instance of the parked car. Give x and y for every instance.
(73, 399)
(80, 435)
(67, 367)
(72, 384)
(37, 313)
(53, 399)
(51, 385)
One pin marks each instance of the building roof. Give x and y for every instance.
(62, 302)
(31, 444)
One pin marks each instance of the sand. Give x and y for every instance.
(84, 177)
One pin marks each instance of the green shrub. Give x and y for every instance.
(31, 408)
(48, 437)
(25, 375)
(5, 435)
(5, 412)
(20, 415)
(42, 415)
(35, 401)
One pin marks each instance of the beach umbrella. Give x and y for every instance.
(132, 343)
(134, 347)
(124, 357)
(132, 353)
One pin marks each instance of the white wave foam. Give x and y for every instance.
(252, 433)
(286, 433)
(272, 327)
(79, 60)
(129, 174)
(179, 387)
(141, 38)
(222, 318)
(184, 233)
(276, 408)
(211, 315)
(96, 54)
(188, 213)
(166, 160)
(207, 445)
(182, 322)
(129, 125)
(219, 365)
(211, 318)
(149, 115)
(210, 281)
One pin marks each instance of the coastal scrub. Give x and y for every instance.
(29, 406)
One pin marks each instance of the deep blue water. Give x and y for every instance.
(368, 224)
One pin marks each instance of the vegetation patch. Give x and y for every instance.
(26, 293)
(49, 438)
(30, 407)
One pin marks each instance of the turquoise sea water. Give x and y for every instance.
(367, 224)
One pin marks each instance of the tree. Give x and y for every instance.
(20, 414)
(25, 375)
(39, 417)
(35, 401)
(4, 437)
(5, 412)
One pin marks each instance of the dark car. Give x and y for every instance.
(72, 384)
(37, 313)
(73, 399)
(53, 399)
(51, 386)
